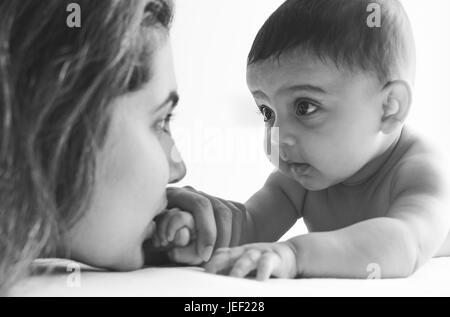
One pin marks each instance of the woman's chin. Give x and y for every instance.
(134, 261)
(125, 262)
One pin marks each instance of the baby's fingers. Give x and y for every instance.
(162, 221)
(223, 260)
(185, 255)
(246, 263)
(182, 237)
(268, 263)
(178, 221)
(156, 242)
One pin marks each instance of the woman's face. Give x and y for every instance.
(133, 169)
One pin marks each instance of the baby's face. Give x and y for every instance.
(328, 118)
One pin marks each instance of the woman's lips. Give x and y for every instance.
(150, 229)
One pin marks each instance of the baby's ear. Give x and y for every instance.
(396, 104)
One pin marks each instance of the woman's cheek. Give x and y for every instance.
(176, 165)
(129, 191)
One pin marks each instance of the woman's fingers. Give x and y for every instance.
(202, 210)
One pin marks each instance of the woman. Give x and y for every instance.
(86, 151)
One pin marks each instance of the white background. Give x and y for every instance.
(217, 127)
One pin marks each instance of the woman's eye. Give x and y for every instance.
(267, 113)
(164, 124)
(305, 108)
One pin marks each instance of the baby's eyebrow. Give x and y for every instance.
(259, 94)
(307, 87)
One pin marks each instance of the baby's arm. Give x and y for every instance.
(414, 228)
(273, 210)
(396, 245)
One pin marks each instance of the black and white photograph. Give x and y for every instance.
(243, 149)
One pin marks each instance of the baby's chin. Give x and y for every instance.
(312, 182)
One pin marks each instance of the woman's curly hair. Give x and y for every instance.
(56, 87)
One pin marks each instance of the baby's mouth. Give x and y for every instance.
(299, 169)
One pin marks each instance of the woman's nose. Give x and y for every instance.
(176, 166)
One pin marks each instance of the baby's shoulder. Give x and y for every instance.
(417, 151)
(420, 165)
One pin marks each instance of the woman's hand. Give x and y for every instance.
(267, 259)
(218, 223)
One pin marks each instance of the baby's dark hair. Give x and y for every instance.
(57, 85)
(338, 30)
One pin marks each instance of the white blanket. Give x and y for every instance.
(433, 279)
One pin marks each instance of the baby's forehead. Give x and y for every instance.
(298, 60)
(294, 68)
(274, 75)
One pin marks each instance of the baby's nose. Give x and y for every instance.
(286, 145)
(283, 154)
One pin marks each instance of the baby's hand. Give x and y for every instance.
(174, 228)
(267, 259)
(176, 232)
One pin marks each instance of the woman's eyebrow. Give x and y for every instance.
(172, 99)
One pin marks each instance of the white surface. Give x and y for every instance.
(433, 279)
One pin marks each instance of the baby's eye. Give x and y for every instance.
(305, 108)
(267, 113)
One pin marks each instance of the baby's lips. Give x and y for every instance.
(299, 169)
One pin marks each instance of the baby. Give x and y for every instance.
(334, 91)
